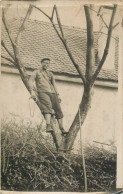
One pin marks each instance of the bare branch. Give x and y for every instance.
(53, 13)
(66, 46)
(23, 24)
(98, 14)
(42, 12)
(106, 35)
(64, 41)
(105, 7)
(90, 56)
(19, 63)
(11, 55)
(115, 25)
(56, 31)
(8, 59)
(103, 21)
(7, 29)
(50, 18)
(70, 55)
(108, 7)
(97, 185)
(106, 47)
(97, 58)
(59, 22)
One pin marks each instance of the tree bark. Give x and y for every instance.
(106, 50)
(90, 55)
(25, 77)
(75, 127)
(18, 62)
(88, 79)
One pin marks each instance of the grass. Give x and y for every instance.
(30, 163)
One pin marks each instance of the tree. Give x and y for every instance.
(88, 79)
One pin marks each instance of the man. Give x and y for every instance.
(48, 94)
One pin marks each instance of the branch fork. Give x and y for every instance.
(87, 81)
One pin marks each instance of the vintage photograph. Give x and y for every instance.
(59, 96)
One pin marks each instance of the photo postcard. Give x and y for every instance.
(61, 96)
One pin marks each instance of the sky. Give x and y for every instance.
(71, 14)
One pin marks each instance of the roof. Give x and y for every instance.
(39, 40)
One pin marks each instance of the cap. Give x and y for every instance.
(45, 59)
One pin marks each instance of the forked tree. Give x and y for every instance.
(88, 78)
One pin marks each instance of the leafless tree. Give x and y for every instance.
(88, 79)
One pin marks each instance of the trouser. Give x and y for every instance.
(50, 104)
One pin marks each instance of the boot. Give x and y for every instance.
(63, 131)
(48, 128)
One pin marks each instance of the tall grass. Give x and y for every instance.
(30, 163)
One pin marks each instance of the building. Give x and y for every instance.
(39, 40)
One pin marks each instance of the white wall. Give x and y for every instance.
(100, 124)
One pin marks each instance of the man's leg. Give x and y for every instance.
(59, 114)
(46, 108)
(47, 118)
(60, 122)
(48, 126)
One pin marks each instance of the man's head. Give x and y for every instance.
(45, 63)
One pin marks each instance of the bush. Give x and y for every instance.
(101, 169)
(30, 163)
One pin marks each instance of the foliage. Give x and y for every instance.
(29, 163)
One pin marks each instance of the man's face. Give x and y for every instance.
(45, 64)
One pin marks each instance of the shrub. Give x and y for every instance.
(30, 162)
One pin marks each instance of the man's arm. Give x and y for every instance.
(55, 88)
(54, 84)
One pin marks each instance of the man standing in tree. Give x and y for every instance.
(48, 94)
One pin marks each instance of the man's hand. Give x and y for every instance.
(33, 96)
(59, 99)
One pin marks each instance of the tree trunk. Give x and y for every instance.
(24, 78)
(90, 55)
(88, 79)
(75, 127)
